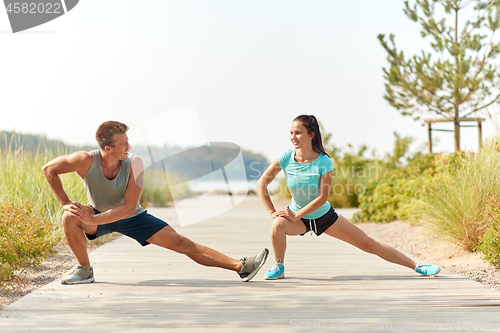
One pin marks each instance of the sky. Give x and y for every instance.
(189, 72)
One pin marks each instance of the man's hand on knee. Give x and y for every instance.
(72, 205)
(82, 212)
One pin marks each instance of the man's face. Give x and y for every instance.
(120, 147)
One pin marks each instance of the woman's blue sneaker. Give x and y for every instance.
(427, 269)
(277, 272)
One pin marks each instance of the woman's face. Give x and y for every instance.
(299, 136)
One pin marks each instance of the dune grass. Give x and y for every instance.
(30, 215)
(21, 178)
(454, 204)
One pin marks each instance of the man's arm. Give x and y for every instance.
(78, 162)
(132, 196)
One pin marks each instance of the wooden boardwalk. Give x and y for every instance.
(329, 286)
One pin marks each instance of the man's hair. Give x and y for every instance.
(107, 130)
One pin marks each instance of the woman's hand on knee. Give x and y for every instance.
(276, 214)
(287, 214)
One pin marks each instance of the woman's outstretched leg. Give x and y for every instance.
(344, 230)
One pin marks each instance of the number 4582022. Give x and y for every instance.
(34, 8)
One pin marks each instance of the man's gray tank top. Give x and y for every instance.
(105, 194)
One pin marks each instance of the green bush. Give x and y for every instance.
(453, 205)
(355, 173)
(25, 237)
(490, 241)
(343, 193)
(392, 195)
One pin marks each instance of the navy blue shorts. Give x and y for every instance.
(322, 223)
(140, 227)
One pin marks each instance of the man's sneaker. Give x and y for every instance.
(277, 272)
(250, 266)
(80, 274)
(427, 269)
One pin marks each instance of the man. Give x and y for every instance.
(113, 184)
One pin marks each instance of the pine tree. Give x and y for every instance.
(460, 77)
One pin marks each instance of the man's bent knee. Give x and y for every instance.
(70, 221)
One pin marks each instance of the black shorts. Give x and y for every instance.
(322, 223)
(140, 227)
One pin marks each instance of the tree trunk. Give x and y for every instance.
(457, 135)
(457, 66)
(480, 134)
(430, 137)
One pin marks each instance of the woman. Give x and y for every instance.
(308, 170)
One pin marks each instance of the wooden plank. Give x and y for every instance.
(155, 290)
(446, 120)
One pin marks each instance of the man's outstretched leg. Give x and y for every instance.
(247, 268)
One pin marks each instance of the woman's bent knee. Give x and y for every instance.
(280, 225)
(291, 228)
